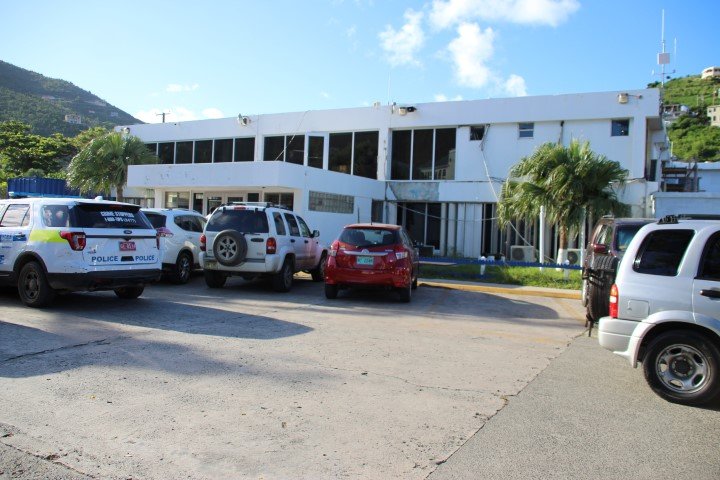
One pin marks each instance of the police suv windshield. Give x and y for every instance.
(107, 216)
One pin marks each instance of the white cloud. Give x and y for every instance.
(515, 86)
(470, 52)
(212, 113)
(445, 13)
(325, 95)
(441, 97)
(351, 32)
(401, 45)
(177, 88)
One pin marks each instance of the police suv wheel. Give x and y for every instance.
(33, 287)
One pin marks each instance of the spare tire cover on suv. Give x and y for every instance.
(230, 248)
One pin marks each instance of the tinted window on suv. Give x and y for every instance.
(662, 251)
(107, 216)
(157, 220)
(625, 233)
(710, 264)
(252, 221)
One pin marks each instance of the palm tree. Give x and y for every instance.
(103, 163)
(569, 182)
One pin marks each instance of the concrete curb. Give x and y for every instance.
(505, 289)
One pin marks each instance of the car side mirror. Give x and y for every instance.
(599, 248)
(315, 233)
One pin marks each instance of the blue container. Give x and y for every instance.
(39, 187)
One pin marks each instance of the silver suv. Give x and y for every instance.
(665, 308)
(260, 239)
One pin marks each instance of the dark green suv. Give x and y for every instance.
(606, 246)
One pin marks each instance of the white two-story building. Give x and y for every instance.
(436, 168)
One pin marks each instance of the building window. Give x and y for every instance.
(274, 149)
(422, 154)
(203, 151)
(166, 152)
(331, 202)
(376, 214)
(340, 158)
(477, 132)
(245, 149)
(444, 154)
(401, 148)
(620, 128)
(432, 153)
(285, 149)
(316, 147)
(177, 200)
(284, 199)
(365, 154)
(183, 152)
(152, 147)
(223, 150)
(295, 149)
(422, 221)
(526, 130)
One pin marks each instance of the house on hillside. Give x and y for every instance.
(710, 72)
(713, 113)
(436, 168)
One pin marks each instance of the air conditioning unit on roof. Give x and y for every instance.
(522, 253)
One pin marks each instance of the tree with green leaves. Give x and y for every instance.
(569, 182)
(21, 150)
(103, 163)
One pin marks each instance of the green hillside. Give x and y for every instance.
(692, 91)
(43, 102)
(692, 136)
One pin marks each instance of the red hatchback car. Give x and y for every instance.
(372, 254)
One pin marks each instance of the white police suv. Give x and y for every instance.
(51, 245)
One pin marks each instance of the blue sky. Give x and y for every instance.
(222, 58)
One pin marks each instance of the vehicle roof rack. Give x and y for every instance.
(259, 205)
(669, 219)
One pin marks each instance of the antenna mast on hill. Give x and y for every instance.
(663, 57)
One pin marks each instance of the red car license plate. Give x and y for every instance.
(365, 260)
(127, 246)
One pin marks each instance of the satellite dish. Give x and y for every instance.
(242, 120)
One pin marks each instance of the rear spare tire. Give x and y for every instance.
(230, 248)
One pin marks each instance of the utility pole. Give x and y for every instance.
(162, 115)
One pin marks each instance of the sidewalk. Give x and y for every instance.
(500, 288)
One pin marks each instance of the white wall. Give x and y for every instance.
(560, 117)
(674, 203)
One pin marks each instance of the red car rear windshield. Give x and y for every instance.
(369, 237)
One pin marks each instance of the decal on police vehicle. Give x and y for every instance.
(116, 216)
(2, 259)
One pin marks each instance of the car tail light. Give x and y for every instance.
(76, 240)
(203, 243)
(614, 294)
(164, 232)
(400, 254)
(333, 249)
(271, 246)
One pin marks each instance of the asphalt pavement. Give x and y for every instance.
(587, 415)
(590, 415)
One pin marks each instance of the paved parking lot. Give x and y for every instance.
(244, 382)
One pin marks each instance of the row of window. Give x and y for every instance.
(419, 154)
